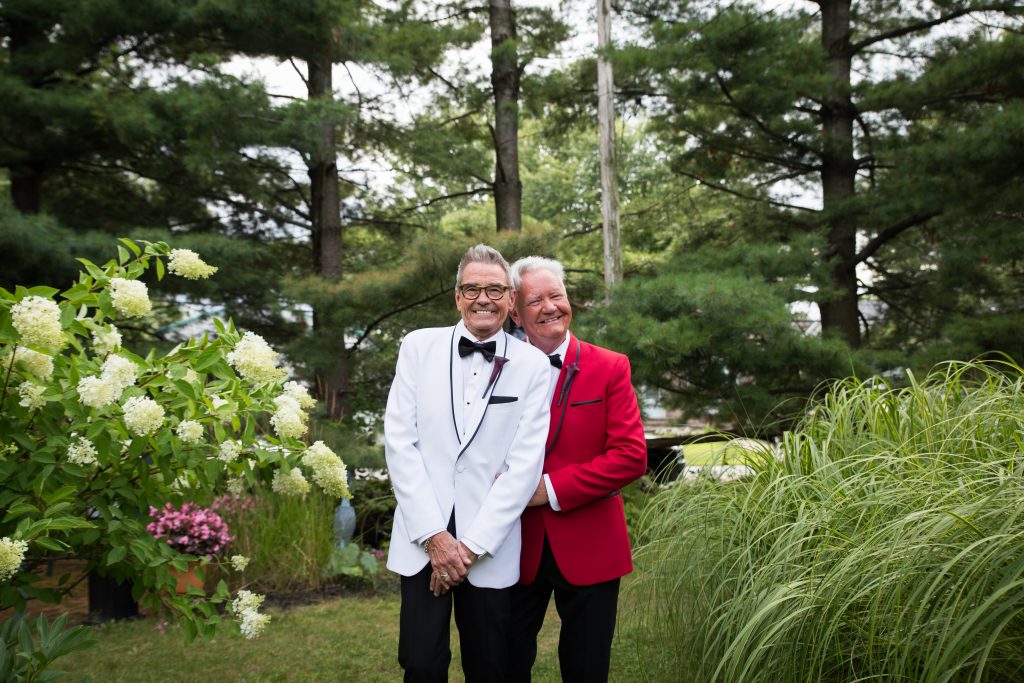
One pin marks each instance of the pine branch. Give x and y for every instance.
(925, 25)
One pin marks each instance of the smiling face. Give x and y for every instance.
(542, 309)
(483, 317)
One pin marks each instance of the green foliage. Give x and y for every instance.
(94, 435)
(374, 502)
(288, 540)
(883, 541)
(29, 646)
(354, 563)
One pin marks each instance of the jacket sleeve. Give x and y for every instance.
(413, 489)
(625, 456)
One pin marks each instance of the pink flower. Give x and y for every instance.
(192, 529)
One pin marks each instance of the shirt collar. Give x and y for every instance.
(562, 349)
(460, 330)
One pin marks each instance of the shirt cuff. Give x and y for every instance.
(423, 539)
(552, 498)
(474, 547)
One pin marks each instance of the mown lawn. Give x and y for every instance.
(346, 639)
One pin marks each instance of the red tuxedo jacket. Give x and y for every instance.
(595, 447)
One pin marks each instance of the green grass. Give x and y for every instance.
(704, 453)
(887, 544)
(346, 639)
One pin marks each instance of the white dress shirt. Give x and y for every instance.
(562, 349)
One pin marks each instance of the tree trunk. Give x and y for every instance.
(508, 189)
(332, 383)
(27, 188)
(609, 170)
(839, 314)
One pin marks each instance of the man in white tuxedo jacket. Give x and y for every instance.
(464, 433)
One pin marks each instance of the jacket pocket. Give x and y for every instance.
(585, 403)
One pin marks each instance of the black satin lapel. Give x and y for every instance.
(451, 384)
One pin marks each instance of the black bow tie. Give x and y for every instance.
(556, 360)
(468, 346)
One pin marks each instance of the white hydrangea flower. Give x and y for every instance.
(230, 450)
(12, 554)
(119, 372)
(37, 320)
(191, 376)
(217, 401)
(82, 452)
(143, 415)
(246, 608)
(187, 264)
(130, 297)
(106, 340)
(254, 360)
(288, 420)
(290, 484)
(38, 364)
(300, 394)
(31, 395)
(246, 600)
(95, 392)
(239, 562)
(236, 486)
(329, 472)
(253, 624)
(189, 431)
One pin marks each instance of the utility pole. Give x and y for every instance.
(606, 131)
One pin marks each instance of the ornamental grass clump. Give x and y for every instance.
(884, 542)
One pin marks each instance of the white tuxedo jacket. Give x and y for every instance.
(434, 469)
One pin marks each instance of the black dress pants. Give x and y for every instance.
(481, 615)
(588, 624)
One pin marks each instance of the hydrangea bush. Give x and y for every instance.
(92, 436)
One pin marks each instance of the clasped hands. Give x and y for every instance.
(450, 560)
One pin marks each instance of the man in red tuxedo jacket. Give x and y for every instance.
(575, 542)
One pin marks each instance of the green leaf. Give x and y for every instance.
(159, 269)
(123, 256)
(19, 509)
(131, 245)
(51, 544)
(116, 554)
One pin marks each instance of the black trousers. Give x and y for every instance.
(588, 624)
(481, 615)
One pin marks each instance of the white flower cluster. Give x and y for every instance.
(300, 394)
(230, 450)
(236, 486)
(288, 420)
(31, 395)
(246, 607)
(239, 562)
(189, 431)
(33, 362)
(130, 297)
(187, 264)
(37, 320)
(290, 484)
(12, 553)
(106, 340)
(116, 375)
(143, 415)
(329, 471)
(254, 360)
(82, 452)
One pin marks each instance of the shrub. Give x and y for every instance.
(92, 435)
(884, 543)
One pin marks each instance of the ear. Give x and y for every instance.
(514, 314)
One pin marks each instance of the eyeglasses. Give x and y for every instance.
(472, 292)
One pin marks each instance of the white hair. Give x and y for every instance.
(528, 263)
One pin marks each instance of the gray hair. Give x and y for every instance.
(528, 263)
(481, 253)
